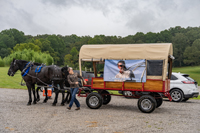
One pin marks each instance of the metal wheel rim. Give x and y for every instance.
(146, 104)
(176, 95)
(93, 101)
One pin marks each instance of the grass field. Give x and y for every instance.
(14, 82)
(8, 81)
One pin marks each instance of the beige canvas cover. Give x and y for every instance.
(152, 51)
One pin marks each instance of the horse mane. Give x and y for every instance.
(21, 62)
(37, 64)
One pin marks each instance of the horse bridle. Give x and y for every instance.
(12, 72)
(15, 62)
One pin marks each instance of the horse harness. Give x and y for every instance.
(57, 75)
(37, 70)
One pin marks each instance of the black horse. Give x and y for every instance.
(48, 75)
(66, 83)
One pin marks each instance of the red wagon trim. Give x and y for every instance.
(123, 89)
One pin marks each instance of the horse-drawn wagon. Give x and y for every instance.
(142, 69)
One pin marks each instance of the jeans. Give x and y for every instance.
(73, 97)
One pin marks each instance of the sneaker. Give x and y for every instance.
(78, 108)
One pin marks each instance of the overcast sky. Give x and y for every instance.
(95, 17)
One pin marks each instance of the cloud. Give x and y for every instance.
(93, 17)
(15, 16)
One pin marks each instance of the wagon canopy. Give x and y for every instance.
(152, 51)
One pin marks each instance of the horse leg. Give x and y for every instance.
(68, 97)
(29, 92)
(46, 98)
(38, 96)
(63, 95)
(56, 97)
(33, 89)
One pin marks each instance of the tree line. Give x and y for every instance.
(63, 50)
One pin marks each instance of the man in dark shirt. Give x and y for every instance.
(73, 81)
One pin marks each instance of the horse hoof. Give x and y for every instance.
(62, 104)
(28, 104)
(44, 101)
(38, 100)
(34, 102)
(53, 104)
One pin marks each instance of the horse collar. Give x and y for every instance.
(26, 69)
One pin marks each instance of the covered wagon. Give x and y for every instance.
(142, 69)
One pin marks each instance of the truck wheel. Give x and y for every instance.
(106, 98)
(146, 104)
(177, 95)
(94, 100)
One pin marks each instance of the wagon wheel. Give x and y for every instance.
(106, 98)
(94, 100)
(159, 100)
(146, 104)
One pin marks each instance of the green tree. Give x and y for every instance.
(164, 36)
(175, 30)
(6, 41)
(72, 58)
(29, 55)
(151, 37)
(139, 37)
(68, 60)
(180, 41)
(59, 47)
(18, 35)
(192, 35)
(4, 52)
(192, 54)
(98, 39)
(23, 46)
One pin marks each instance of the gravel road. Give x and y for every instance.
(121, 115)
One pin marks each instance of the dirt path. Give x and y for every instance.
(121, 115)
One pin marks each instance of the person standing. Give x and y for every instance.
(74, 85)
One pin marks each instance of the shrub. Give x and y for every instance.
(2, 64)
(29, 55)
